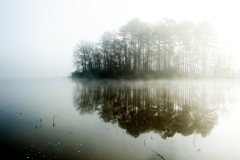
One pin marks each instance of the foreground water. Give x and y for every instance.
(61, 118)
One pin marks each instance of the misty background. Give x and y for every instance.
(37, 38)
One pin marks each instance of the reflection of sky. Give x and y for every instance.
(42, 99)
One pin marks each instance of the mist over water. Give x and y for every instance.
(106, 119)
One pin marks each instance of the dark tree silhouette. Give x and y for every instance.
(164, 48)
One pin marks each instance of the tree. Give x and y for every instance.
(206, 39)
(164, 47)
(185, 37)
(83, 54)
(106, 48)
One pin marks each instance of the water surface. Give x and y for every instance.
(63, 118)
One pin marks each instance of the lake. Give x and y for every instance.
(63, 118)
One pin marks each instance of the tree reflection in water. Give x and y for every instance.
(166, 108)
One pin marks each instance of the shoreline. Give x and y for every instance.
(141, 75)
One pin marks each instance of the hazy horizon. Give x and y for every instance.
(38, 37)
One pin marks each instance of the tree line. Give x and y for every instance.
(185, 48)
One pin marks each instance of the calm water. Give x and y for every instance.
(61, 118)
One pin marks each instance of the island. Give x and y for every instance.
(165, 49)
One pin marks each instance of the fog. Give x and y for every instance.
(37, 38)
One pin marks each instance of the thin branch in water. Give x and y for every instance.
(194, 142)
(53, 120)
(158, 154)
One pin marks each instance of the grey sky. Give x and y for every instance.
(37, 37)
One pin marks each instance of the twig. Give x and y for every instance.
(53, 120)
(158, 154)
(194, 142)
